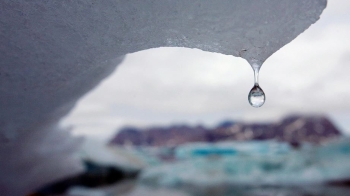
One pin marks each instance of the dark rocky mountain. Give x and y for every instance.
(293, 129)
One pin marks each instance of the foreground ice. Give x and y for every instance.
(53, 52)
(253, 164)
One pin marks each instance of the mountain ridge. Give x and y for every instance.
(293, 129)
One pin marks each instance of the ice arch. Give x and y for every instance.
(52, 52)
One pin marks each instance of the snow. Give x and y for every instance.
(53, 52)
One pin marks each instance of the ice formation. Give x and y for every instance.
(53, 52)
(128, 159)
(253, 164)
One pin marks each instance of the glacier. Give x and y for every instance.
(54, 52)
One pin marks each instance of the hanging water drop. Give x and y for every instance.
(256, 96)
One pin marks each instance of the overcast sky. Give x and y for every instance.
(179, 85)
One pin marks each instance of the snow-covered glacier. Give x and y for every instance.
(53, 52)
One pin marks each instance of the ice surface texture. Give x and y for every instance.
(53, 52)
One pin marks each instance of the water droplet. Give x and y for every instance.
(256, 96)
